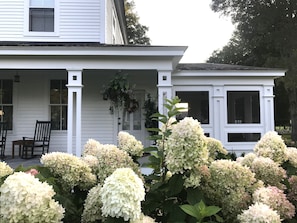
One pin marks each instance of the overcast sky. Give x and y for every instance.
(185, 23)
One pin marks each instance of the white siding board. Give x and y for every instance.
(78, 21)
(11, 19)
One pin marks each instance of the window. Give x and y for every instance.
(132, 121)
(41, 15)
(6, 106)
(58, 104)
(243, 137)
(198, 104)
(243, 107)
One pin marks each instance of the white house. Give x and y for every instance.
(57, 55)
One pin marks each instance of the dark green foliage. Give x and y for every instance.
(136, 32)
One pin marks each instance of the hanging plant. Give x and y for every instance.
(121, 94)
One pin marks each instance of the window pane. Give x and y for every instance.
(6, 93)
(55, 92)
(126, 120)
(198, 104)
(55, 117)
(64, 96)
(64, 117)
(243, 137)
(44, 3)
(243, 107)
(7, 117)
(137, 119)
(41, 20)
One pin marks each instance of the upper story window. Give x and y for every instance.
(42, 16)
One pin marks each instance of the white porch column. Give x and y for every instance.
(268, 109)
(218, 112)
(74, 111)
(164, 89)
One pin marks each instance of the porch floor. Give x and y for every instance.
(17, 161)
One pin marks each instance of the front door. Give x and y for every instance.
(133, 123)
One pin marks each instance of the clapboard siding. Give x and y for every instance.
(80, 20)
(11, 19)
(97, 121)
(77, 21)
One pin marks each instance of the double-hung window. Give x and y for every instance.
(58, 104)
(42, 16)
(6, 105)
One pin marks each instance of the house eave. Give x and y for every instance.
(91, 50)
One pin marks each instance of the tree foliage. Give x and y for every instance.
(266, 33)
(136, 32)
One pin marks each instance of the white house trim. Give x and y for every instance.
(74, 111)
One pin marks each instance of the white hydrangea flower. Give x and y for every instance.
(259, 213)
(275, 199)
(111, 158)
(292, 156)
(272, 145)
(25, 199)
(91, 160)
(144, 219)
(186, 146)
(92, 206)
(130, 144)
(5, 169)
(247, 160)
(121, 195)
(70, 169)
(91, 147)
(268, 171)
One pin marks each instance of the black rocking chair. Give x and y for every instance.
(41, 139)
(3, 134)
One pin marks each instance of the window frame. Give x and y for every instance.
(60, 105)
(2, 105)
(27, 32)
(241, 121)
(242, 128)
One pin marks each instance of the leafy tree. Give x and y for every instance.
(135, 31)
(266, 33)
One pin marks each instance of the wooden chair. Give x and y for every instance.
(41, 139)
(3, 135)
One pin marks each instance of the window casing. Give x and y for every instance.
(58, 104)
(243, 107)
(42, 16)
(6, 102)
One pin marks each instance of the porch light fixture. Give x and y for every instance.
(1, 112)
(16, 78)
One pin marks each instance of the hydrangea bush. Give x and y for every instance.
(5, 169)
(23, 198)
(188, 170)
(230, 186)
(130, 144)
(272, 145)
(71, 170)
(259, 213)
(121, 195)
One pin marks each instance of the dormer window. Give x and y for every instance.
(42, 16)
